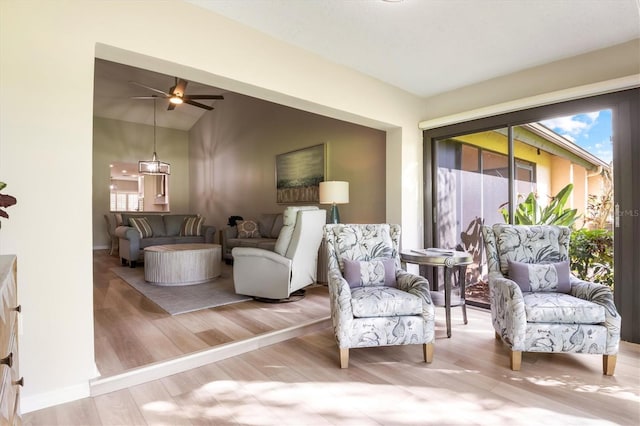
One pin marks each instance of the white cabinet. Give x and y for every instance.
(9, 372)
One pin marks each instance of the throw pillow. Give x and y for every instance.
(376, 272)
(192, 227)
(248, 229)
(142, 225)
(532, 277)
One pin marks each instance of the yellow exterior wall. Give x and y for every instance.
(552, 172)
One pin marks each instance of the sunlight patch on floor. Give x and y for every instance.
(361, 403)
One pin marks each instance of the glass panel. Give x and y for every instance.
(582, 155)
(472, 184)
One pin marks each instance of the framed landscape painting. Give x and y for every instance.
(298, 175)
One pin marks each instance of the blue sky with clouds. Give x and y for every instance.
(591, 131)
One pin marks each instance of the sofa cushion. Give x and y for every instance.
(189, 240)
(191, 226)
(561, 308)
(158, 241)
(541, 277)
(157, 225)
(270, 224)
(142, 226)
(383, 301)
(173, 223)
(376, 272)
(248, 229)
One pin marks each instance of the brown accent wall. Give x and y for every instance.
(233, 149)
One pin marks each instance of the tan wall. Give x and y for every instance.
(115, 140)
(233, 152)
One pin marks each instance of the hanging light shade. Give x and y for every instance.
(154, 166)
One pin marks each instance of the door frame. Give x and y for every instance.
(625, 105)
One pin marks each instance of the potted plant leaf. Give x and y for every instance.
(5, 201)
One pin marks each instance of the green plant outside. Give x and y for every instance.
(591, 255)
(590, 251)
(529, 212)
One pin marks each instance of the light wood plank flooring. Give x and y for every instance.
(131, 331)
(298, 382)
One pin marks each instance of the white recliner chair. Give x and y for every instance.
(291, 266)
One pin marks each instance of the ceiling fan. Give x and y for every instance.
(177, 95)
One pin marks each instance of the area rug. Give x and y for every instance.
(181, 299)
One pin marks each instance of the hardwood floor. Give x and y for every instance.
(299, 382)
(131, 331)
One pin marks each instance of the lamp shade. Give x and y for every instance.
(334, 192)
(154, 167)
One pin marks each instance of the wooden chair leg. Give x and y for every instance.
(344, 357)
(609, 364)
(516, 360)
(427, 348)
(497, 336)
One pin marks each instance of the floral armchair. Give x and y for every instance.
(537, 305)
(373, 301)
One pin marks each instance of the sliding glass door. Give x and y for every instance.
(481, 172)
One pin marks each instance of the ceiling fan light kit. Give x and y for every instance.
(176, 95)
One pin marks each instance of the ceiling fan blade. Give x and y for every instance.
(179, 88)
(167, 95)
(145, 97)
(203, 97)
(171, 106)
(198, 104)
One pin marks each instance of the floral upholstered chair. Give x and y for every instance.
(373, 301)
(537, 305)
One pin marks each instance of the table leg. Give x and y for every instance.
(462, 276)
(447, 298)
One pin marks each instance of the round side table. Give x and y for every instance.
(451, 261)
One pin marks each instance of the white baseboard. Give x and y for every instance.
(102, 247)
(58, 396)
(136, 376)
(158, 370)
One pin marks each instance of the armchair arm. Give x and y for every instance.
(602, 295)
(418, 286)
(129, 244)
(507, 310)
(230, 232)
(227, 233)
(341, 311)
(209, 234)
(128, 233)
(261, 273)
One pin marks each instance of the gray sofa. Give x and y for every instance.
(165, 230)
(269, 225)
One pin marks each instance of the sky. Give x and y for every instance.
(591, 131)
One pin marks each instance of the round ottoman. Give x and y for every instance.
(182, 264)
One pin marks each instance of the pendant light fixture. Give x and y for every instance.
(154, 166)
